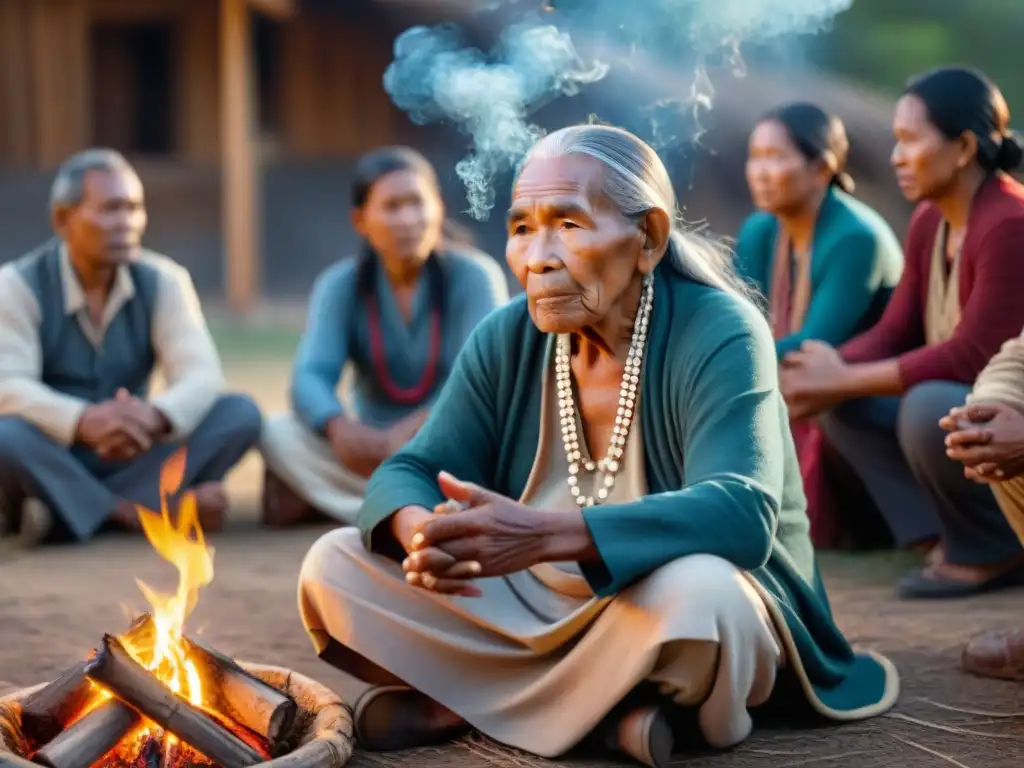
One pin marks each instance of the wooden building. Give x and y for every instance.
(244, 116)
(186, 86)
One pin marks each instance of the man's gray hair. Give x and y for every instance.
(68, 185)
(636, 181)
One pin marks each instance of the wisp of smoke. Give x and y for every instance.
(437, 77)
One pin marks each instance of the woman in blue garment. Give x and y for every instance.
(826, 262)
(397, 315)
(601, 522)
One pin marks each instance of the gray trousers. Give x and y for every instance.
(897, 448)
(81, 490)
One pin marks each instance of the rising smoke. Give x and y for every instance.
(436, 76)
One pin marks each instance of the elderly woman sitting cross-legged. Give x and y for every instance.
(601, 523)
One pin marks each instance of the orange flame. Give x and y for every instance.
(179, 540)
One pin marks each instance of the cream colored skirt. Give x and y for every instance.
(538, 670)
(305, 462)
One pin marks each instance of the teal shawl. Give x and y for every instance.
(721, 469)
(856, 262)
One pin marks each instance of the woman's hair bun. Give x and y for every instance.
(1011, 153)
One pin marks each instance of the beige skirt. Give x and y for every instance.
(305, 462)
(537, 669)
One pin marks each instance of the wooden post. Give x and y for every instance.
(60, 78)
(239, 160)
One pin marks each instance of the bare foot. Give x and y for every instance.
(924, 546)
(212, 506)
(283, 507)
(972, 574)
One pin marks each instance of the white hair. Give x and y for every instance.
(636, 181)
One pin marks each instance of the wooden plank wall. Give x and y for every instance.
(17, 146)
(332, 100)
(44, 87)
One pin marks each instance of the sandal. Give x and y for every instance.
(922, 585)
(394, 717)
(645, 735)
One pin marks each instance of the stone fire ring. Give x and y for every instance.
(323, 724)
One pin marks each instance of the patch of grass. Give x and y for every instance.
(246, 343)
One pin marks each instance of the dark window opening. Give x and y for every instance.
(135, 83)
(267, 53)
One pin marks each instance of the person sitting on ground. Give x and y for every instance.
(987, 436)
(826, 262)
(958, 301)
(85, 321)
(601, 523)
(397, 314)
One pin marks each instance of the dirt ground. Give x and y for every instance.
(55, 604)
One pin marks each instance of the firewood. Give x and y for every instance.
(115, 669)
(244, 698)
(319, 753)
(90, 738)
(48, 711)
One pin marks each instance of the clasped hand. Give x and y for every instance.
(809, 377)
(362, 448)
(477, 533)
(988, 438)
(122, 428)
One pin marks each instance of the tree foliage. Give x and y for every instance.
(884, 42)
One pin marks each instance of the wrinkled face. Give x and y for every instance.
(780, 177)
(926, 162)
(401, 219)
(107, 225)
(573, 252)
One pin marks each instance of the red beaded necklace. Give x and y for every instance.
(418, 392)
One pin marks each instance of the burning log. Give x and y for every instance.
(243, 697)
(115, 669)
(90, 738)
(48, 711)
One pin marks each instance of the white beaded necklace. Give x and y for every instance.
(608, 467)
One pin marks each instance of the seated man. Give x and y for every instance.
(988, 437)
(84, 321)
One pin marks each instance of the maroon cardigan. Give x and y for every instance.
(991, 292)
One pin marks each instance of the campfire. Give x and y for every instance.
(154, 697)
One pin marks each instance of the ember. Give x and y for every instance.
(155, 698)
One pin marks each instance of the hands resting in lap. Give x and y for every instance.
(810, 379)
(122, 428)
(988, 438)
(477, 533)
